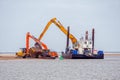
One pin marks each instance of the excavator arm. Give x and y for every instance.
(28, 36)
(61, 27)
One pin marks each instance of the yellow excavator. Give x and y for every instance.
(83, 49)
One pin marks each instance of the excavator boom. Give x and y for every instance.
(39, 49)
(60, 26)
(28, 36)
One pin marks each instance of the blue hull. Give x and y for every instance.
(82, 56)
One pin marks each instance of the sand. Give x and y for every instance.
(14, 57)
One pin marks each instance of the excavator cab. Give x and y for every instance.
(21, 52)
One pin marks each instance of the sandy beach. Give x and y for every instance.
(14, 57)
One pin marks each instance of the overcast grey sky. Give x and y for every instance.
(20, 16)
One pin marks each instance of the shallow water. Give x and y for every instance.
(80, 69)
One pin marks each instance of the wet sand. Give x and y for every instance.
(14, 57)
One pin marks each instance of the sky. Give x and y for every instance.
(17, 17)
